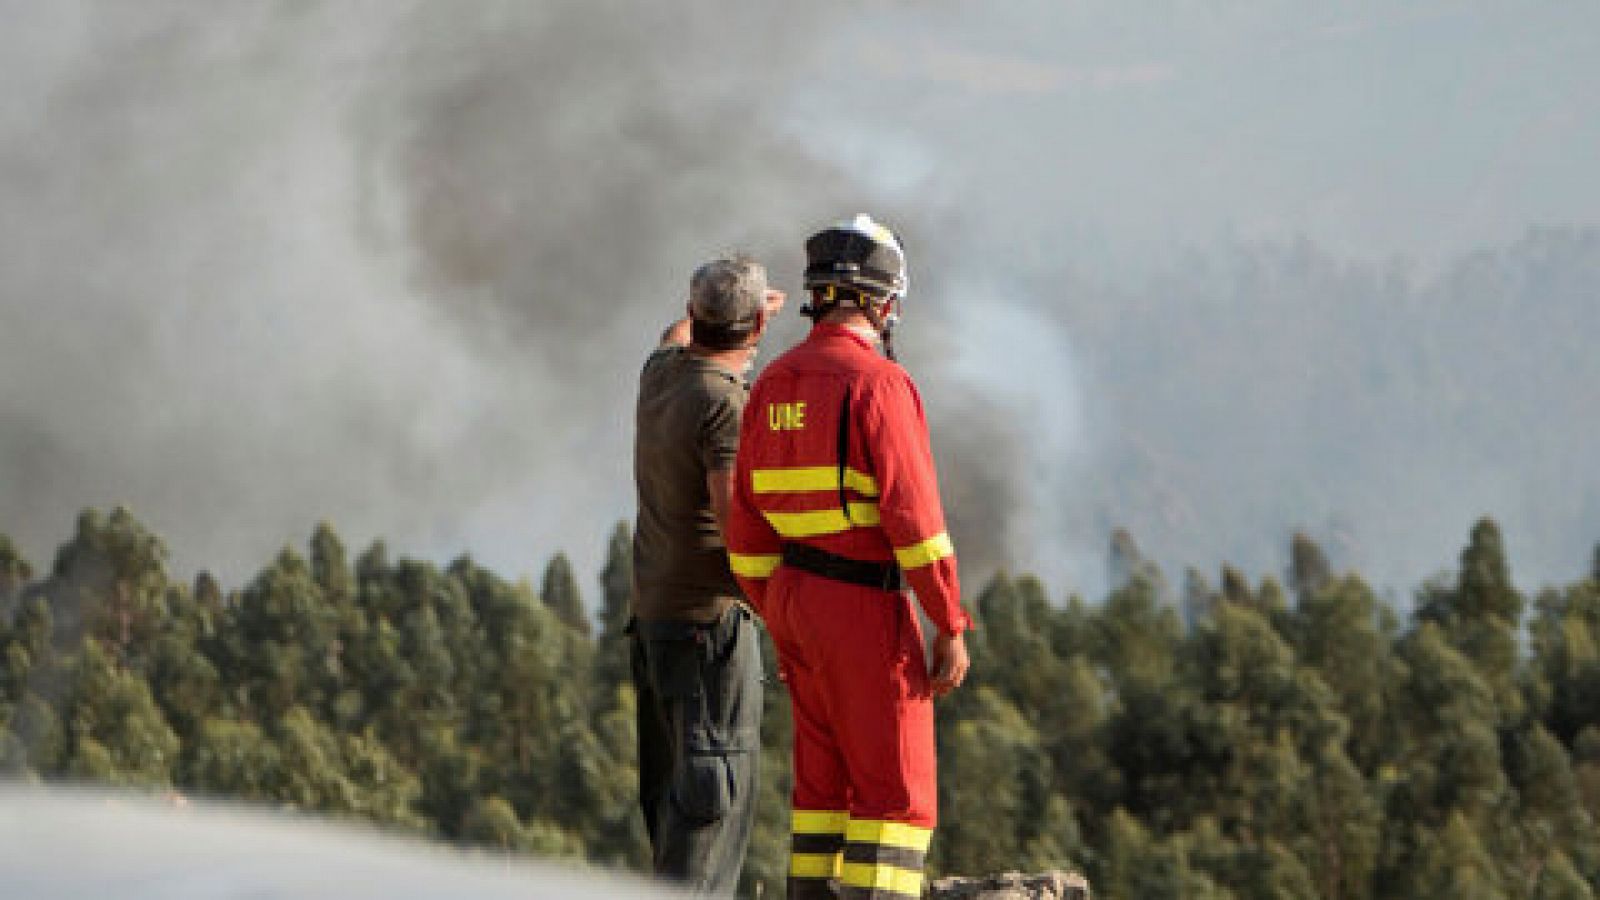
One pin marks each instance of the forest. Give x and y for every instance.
(1290, 735)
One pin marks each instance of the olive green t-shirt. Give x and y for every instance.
(687, 425)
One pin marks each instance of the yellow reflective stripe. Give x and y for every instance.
(875, 876)
(822, 521)
(811, 478)
(888, 834)
(753, 565)
(814, 865)
(861, 483)
(819, 821)
(924, 552)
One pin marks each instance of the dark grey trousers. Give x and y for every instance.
(699, 707)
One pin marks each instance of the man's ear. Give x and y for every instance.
(761, 325)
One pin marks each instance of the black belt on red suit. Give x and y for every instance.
(885, 576)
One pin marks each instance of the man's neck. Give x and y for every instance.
(736, 360)
(855, 320)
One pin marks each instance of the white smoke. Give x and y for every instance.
(385, 264)
(1019, 365)
(396, 264)
(65, 844)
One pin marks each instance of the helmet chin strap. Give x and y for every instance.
(884, 324)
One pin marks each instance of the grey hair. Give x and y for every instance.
(727, 291)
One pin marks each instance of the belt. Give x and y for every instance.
(685, 629)
(885, 576)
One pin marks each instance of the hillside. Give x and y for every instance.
(1250, 739)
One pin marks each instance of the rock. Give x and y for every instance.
(1011, 886)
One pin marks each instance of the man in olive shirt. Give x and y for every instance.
(695, 655)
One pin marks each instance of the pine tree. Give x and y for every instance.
(1309, 570)
(1455, 866)
(1074, 728)
(15, 573)
(236, 760)
(616, 581)
(1565, 637)
(612, 665)
(1480, 615)
(1198, 598)
(767, 864)
(1550, 816)
(109, 582)
(183, 677)
(13, 754)
(413, 672)
(117, 733)
(184, 681)
(1153, 739)
(1343, 825)
(1115, 870)
(350, 775)
(284, 635)
(1558, 879)
(1135, 636)
(1263, 752)
(384, 789)
(1166, 870)
(491, 822)
(1236, 588)
(1125, 562)
(1336, 634)
(1586, 768)
(615, 831)
(1243, 868)
(1012, 651)
(559, 592)
(1011, 823)
(1256, 714)
(1447, 756)
(330, 568)
(38, 730)
(451, 771)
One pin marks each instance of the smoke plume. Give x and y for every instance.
(396, 265)
(391, 264)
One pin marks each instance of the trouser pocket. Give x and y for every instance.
(703, 786)
(693, 672)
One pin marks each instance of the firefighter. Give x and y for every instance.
(695, 655)
(835, 515)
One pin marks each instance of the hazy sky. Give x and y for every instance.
(395, 264)
(1374, 128)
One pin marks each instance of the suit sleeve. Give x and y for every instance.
(753, 547)
(896, 435)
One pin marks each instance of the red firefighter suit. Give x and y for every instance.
(834, 457)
